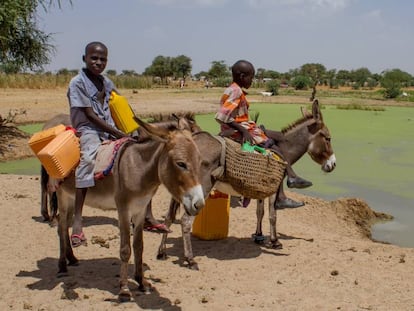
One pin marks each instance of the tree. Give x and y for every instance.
(260, 73)
(218, 69)
(160, 67)
(316, 72)
(181, 66)
(272, 74)
(393, 80)
(111, 72)
(360, 76)
(127, 72)
(301, 82)
(397, 75)
(22, 45)
(343, 77)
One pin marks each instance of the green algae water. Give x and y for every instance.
(374, 152)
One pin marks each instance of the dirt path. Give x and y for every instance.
(327, 262)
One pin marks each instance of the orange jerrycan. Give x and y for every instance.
(122, 113)
(40, 139)
(212, 223)
(61, 155)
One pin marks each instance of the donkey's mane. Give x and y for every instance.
(296, 123)
(159, 118)
(166, 121)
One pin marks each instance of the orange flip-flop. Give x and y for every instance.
(158, 228)
(78, 240)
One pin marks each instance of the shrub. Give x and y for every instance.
(272, 86)
(301, 82)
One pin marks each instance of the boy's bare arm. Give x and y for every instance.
(102, 124)
(246, 136)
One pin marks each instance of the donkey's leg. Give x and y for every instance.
(53, 203)
(274, 242)
(138, 246)
(124, 251)
(169, 219)
(63, 233)
(258, 236)
(186, 224)
(44, 178)
(66, 252)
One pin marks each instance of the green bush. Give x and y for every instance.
(301, 82)
(222, 82)
(392, 89)
(272, 86)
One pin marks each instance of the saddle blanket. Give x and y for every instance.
(107, 153)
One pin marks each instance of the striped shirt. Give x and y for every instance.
(235, 107)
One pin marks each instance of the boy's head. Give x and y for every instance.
(243, 73)
(96, 57)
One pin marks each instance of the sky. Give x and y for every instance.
(275, 35)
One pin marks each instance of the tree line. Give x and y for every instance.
(24, 49)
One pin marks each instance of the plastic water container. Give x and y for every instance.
(60, 156)
(122, 113)
(40, 139)
(212, 223)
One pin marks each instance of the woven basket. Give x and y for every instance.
(253, 175)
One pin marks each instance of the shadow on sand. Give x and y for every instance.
(101, 274)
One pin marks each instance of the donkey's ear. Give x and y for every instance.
(183, 124)
(304, 111)
(316, 111)
(155, 132)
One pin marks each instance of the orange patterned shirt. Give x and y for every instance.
(235, 107)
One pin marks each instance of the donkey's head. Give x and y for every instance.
(179, 162)
(319, 148)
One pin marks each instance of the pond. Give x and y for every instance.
(374, 151)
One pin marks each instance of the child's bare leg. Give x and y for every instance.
(151, 224)
(77, 237)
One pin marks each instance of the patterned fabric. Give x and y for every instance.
(235, 107)
(106, 156)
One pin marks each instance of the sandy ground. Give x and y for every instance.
(328, 261)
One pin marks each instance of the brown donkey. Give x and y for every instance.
(307, 135)
(169, 157)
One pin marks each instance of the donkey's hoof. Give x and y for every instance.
(124, 294)
(145, 288)
(162, 256)
(193, 265)
(46, 217)
(275, 245)
(258, 238)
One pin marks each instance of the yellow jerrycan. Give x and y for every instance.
(212, 223)
(122, 113)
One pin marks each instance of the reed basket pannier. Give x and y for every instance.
(253, 175)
